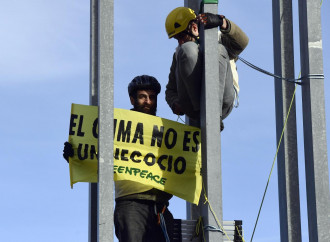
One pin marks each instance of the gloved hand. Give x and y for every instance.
(211, 20)
(67, 151)
(176, 109)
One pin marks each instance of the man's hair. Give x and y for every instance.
(143, 82)
(186, 32)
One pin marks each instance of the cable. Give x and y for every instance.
(179, 118)
(293, 80)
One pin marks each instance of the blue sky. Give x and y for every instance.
(44, 48)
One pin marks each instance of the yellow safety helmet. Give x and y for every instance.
(178, 20)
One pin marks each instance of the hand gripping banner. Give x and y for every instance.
(147, 149)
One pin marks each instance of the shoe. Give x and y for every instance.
(222, 126)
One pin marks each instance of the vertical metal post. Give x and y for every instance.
(193, 4)
(287, 159)
(210, 128)
(93, 100)
(316, 157)
(92, 213)
(106, 82)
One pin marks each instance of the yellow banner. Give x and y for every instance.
(147, 149)
(83, 137)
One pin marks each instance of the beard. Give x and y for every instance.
(148, 109)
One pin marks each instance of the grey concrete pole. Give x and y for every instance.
(93, 100)
(287, 158)
(106, 82)
(316, 157)
(210, 128)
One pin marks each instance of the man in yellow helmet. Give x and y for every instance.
(183, 89)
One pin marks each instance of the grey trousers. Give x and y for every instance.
(227, 92)
(189, 76)
(136, 221)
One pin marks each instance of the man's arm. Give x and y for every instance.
(171, 93)
(234, 39)
(190, 66)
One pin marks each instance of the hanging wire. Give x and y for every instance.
(293, 80)
(180, 119)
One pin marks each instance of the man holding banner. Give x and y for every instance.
(137, 204)
(141, 212)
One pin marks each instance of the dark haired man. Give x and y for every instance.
(139, 206)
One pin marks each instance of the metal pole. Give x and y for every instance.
(193, 4)
(211, 145)
(287, 159)
(210, 128)
(93, 100)
(106, 82)
(316, 157)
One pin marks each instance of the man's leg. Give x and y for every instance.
(227, 93)
(188, 77)
(136, 221)
(131, 221)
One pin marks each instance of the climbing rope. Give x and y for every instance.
(220, 228)
(271, 170)
(297, 81)
(209, 227)
(240, 233)
(199, 225)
